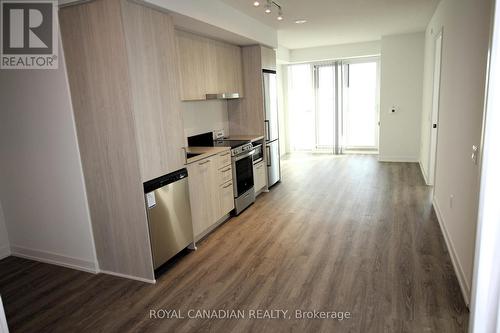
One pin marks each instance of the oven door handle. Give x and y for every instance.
(242, 156)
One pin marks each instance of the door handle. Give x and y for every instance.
(434, 125)
(267, 129)
(268, 153)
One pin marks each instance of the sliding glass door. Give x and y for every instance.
(301, 108)
(326, 99)
(333, 106)
(360, 106)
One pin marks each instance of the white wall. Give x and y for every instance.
(466, 25)
(42, 190)
(4, 237)
(401, 75)
(282, 55)
(204, 116)
(332, 52)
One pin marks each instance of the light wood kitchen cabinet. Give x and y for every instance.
(226, 198)
(207, 66)
(259, 176)
(228, 68)
(204, 203)
(152, 58)
(246, 115)
(210, 191)
(268, 57)
(197, 75)
(121, 59)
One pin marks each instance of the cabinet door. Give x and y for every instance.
(197, 70)
(268, 58)
(154, 81)
(201, 194)
(228, 68)
(259, 174)
(207, 66)
(226, 202)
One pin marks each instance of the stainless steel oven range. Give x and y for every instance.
(242, 163)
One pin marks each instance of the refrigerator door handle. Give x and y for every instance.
(267, 130)
(268, 153)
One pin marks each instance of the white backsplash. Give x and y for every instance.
(204, 116)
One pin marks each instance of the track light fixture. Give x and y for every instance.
(269, 8)
(280, 15)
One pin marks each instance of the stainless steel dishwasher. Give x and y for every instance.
(169, 215)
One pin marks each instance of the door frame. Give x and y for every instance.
(434, 114)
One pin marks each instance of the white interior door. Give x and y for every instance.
(435, 108)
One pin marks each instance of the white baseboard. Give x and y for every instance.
(423, 173)
(54, 258)
(405, 159)
(4, 251)
(464, 285)
(128, 276)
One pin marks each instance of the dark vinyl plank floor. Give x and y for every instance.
(339, 233)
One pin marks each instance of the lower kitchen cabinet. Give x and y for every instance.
(226, 198)
(259, 176)
(210, 191)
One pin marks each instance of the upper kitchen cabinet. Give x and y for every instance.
(121, 64)
(268, 57)
(246, 115)
(154, 80)
(208, 66)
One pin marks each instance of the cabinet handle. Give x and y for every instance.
(225, 154)
(230, 184)
(226, 169)
(204, 162)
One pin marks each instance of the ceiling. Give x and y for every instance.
(331, 22)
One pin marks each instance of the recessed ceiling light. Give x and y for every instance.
(268, 10)
(280, 18)
(256, 4)
(300, 21)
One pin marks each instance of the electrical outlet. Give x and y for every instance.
(451, 200)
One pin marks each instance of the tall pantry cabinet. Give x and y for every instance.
(122, 69)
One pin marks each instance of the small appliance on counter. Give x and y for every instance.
(169, 215)
(242, 165)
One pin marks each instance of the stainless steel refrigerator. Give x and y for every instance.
(271, 127)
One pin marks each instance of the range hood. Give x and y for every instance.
(223, 96)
